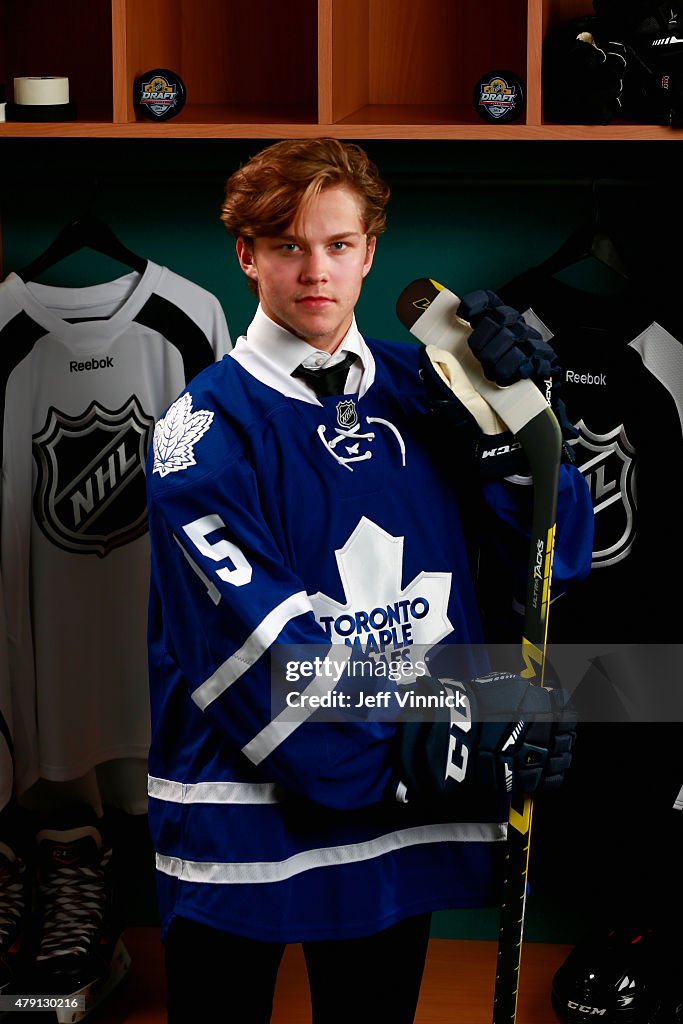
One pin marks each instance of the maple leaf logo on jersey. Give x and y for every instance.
(176, 435)
(380, 613)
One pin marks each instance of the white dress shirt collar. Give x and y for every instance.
(271, 353)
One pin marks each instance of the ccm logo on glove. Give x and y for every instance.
(503, 734)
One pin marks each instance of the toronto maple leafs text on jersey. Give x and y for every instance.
(278, 519)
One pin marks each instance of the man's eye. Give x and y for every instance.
(289, 247)
(339, 246)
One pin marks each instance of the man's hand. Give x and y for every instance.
(509, 349)
(503, 735)
(505, 345)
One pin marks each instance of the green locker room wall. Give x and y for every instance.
(469, 214)
(472, 214)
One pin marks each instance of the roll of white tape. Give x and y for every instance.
(45, 90)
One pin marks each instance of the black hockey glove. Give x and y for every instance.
(625, 60)
(584, 73)
(509, 349)
(503, 734)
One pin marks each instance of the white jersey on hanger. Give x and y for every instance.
(84, 374)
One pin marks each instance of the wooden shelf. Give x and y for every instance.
(346, 130)
(384, 69)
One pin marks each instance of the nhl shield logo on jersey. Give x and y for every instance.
(350, 443)
(346, 414)
(90, 491)
(607, 462)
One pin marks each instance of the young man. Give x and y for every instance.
(292, 506)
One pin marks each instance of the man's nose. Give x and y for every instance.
(314, 267)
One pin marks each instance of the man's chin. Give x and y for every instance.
(323, 336)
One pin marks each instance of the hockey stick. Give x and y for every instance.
(430, 312)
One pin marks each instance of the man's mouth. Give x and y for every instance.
(314, 301)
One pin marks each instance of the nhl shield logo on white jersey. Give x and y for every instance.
(607, 461)
(90, 491)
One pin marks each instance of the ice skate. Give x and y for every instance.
(81, 953)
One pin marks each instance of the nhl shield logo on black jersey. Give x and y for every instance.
(607, 462)
(90, 490)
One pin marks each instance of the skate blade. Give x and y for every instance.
(97, 991)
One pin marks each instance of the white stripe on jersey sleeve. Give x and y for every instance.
(204, 307)
(251, 650)
(277, 731)
(662, 354)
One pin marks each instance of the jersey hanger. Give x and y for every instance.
(589, 239)
(85, 232)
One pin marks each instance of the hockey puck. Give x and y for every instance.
(159, 94)
(499, 97)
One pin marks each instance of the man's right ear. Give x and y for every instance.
(245, 255)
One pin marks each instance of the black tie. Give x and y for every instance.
(328, 381)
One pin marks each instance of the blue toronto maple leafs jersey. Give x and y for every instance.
(280, 521)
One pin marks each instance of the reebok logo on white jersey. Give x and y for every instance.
(91, 364)
(576, 377)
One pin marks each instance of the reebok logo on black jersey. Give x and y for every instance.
(91, 364)
(576, 377)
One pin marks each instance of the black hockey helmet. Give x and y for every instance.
(620, 977)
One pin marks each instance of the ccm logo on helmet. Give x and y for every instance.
(585, 1009)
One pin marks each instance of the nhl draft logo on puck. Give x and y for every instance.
(159, 94)
(499, 97)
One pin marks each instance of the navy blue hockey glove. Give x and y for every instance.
(495, 456)
(509, 349)
(503, 734)
(505, 345)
